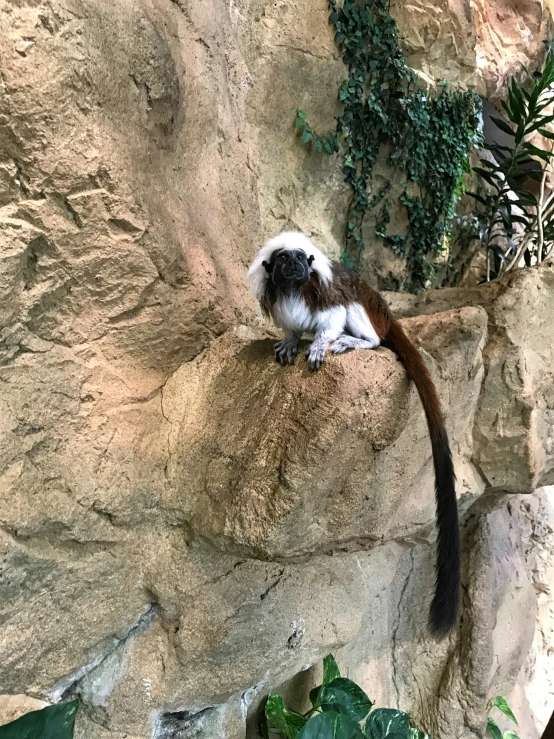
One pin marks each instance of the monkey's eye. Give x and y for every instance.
(282, 257)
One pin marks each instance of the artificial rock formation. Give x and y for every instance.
(184, 525)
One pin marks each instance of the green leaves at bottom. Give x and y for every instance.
(331, 725)
(387, 722)
(330, 669)
(280, 720)
(330, 672)
(502, 704)
(343, 696)
(418, 734)
(492, 729)
(52, 722)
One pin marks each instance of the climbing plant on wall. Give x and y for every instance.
(428, 139)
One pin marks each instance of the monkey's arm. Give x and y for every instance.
(330, 325)
(287, 349)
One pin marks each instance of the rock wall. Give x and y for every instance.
(184, 525)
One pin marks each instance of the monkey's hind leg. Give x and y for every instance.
(287, 349)
(345, 342)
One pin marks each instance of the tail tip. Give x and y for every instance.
(442, 619)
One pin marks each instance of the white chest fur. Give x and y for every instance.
(291, 313)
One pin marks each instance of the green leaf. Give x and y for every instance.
(52, 722)
(502, 704)
(546, 134)
(492, 729)
(307, 136)
(418, 734)
(330, 669)
(345, 697)
(537, 124)
(536, 152)
(479, 199)
(280, 720)
(331, 725)
(509, 735)
(387, 722)
(314, 696)
(502, 125)
(492, 178)
(301, 114)
(511, 115)
(515, 95)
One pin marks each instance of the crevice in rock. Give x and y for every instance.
(397, 627)
(141, 304)
(178, 724)
(72, 213)
(226, 574)
(273, 585)
(68, 686)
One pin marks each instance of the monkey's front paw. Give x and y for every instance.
(342, 344)
(285, 352)
(315, 358)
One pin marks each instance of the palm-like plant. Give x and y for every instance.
(514, 223)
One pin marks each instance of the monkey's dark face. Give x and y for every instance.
(289, 269)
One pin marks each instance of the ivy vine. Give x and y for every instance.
(428, 139)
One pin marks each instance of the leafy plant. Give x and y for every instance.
(340, 710)
(513, 222)
(52, 722)
(492, 727)
(428, 139)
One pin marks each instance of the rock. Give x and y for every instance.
(478, 46)
(14, 706)
(513, 426)
(284, 462)
(184, 524)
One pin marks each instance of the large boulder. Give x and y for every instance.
(184, 525)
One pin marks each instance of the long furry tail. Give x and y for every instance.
(444, 607)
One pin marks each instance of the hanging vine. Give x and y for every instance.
(429, 139)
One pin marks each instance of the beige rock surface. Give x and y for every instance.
(13, 707)
(284, 463)
(478, 44)
(514, 423)
(185, 526)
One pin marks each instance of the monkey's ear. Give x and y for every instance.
(310, 260)
(267, 266)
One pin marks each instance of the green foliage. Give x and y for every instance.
(343, 696)
(330, 669)
(492, 727)
(341, 710)
(331, 726)
(387, 722)
(52, 722)
(282, 721)
(512, 222)
(428, 139)
(502, 704)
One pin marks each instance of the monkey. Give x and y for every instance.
(305, 292)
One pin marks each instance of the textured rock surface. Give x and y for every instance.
(515, 421)
(14, 706)
(284, 463)
(479, 44)
(183, 524)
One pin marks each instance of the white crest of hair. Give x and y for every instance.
(257, 274)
